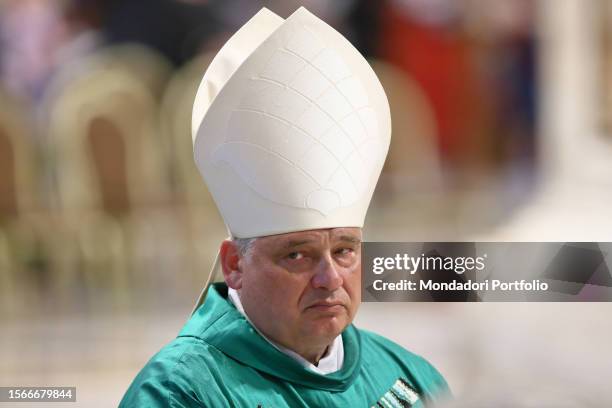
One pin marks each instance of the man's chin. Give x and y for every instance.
(328, 326)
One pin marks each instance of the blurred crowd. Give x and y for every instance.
(98, 190)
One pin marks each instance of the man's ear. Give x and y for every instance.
(230, 257)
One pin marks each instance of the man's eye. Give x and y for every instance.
(344, 251)
(295, 255)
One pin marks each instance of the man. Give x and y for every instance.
(291, 128)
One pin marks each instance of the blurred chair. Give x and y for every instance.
(20, 216)
(110, 186)
(202, 225)
(151, 67)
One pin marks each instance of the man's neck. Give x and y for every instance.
(313, 355)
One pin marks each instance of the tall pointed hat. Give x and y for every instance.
(290, 127)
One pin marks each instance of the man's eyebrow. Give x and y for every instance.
(293, 243)
(350, 238)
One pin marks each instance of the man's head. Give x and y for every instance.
(288, 141)
(301, 289)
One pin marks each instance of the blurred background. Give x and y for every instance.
(502, 131)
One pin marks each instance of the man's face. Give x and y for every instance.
(303, 287)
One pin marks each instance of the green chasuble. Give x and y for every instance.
(219, 360)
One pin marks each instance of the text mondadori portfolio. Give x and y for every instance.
(489, 284)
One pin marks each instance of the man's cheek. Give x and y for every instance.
(354, 282)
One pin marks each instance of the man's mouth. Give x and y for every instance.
(326, 306)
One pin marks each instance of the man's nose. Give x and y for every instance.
(327, 276)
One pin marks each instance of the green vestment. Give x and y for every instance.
(219, 360)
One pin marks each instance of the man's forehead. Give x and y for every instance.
(345, 233)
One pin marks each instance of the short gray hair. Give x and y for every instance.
(244, 244)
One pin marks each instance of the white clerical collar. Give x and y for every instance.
(330, 363)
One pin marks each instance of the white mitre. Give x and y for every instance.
(290, 127)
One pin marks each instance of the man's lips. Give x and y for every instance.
(326, 306)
